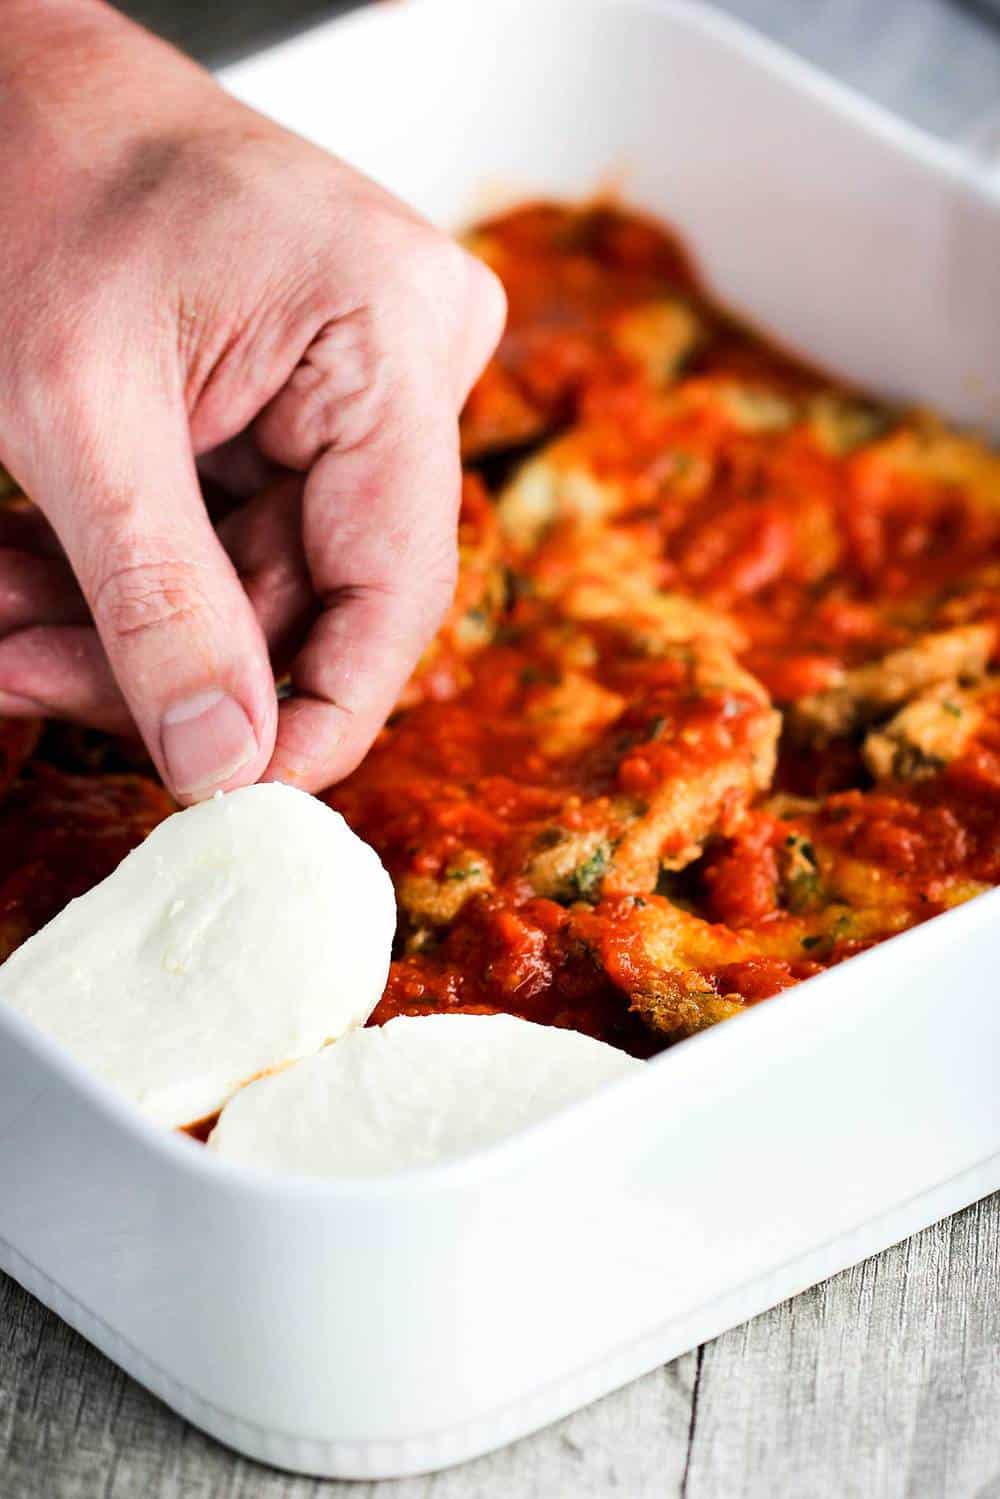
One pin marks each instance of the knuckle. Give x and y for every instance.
(448, 257)
(428, 267)
(339, 391)
(439, 267)
(447, 299)
(135, 598)
(487, 301)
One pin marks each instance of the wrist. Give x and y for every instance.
(75, 62)
(80, 83)
(44, 38)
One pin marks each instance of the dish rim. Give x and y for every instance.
(951, 159)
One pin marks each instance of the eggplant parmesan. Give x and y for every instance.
(716, 705)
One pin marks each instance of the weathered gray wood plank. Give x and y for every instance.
(882, 1384)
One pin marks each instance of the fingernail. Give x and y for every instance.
(205, 739)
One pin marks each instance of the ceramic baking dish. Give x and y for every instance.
(364, 1329)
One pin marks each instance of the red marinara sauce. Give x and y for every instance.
(715, 706)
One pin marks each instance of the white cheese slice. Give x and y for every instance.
(242, 935)
(415, 1091)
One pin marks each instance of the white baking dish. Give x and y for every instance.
(368, 1329)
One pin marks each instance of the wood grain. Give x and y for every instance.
(884, 1383)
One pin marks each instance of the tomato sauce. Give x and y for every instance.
(664, 758)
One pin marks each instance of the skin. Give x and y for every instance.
(190, 293)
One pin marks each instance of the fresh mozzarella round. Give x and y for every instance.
(417, 1090)
(242, 935)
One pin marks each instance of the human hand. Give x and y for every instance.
(185, 286)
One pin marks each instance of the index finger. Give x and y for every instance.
(380, 537)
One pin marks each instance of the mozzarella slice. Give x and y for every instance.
(415, 1091)
(242, 935)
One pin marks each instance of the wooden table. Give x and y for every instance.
(884, 1383)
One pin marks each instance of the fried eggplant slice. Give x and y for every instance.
(661, 958)
(934, 729)
(871, 691)
(568, 767)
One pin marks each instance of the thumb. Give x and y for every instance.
(178, 629)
